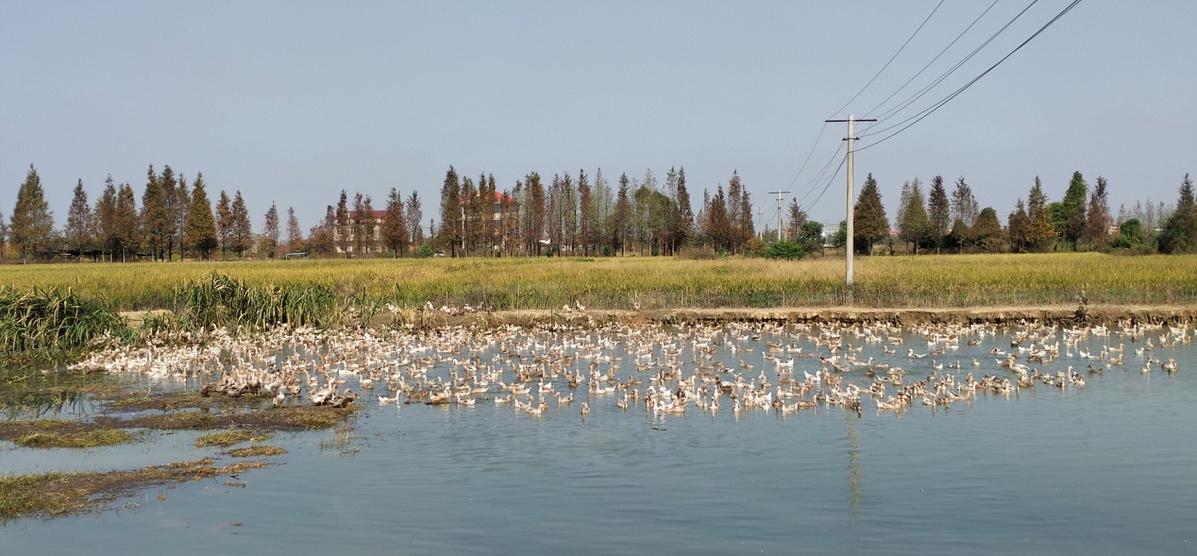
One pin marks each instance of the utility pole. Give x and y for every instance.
(850, 244)
(779, 194)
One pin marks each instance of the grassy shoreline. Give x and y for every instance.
(944, 281)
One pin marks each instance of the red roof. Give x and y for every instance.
(378, 214)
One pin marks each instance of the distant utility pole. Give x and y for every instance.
(779, 194)
(850, 244)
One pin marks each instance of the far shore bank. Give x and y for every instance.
(1051, 314)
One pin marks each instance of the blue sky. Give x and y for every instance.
(292, 101)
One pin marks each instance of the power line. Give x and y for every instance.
(808, 154)
(934, 107)
(891, 59)
(815, 143)
(927, 88)
(830, 180)
(874, 109)
(814, 182)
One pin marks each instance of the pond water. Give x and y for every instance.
(1105, 467)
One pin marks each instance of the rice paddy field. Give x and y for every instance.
(653, 283)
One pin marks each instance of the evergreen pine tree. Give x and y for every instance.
(622, 215)
(1016, 228)
(1073, 210)
(224, 222)
(587, 212)
(914, 226)
(200, 228)
(79, 221)
(294, 234)
(344, 225)
(270, 231)
(369, 226)
(128, 229)
(964, 204)
(1097, 225)
(31, 223)
(450, 236)
(155, 214)
(796, 219)
(394, 225)
(182, 212)
(471, 227)
(685, 215)
(241, 231)
(357, 219)
(415, 217)
(1040, 230)
(987, 231)
(534, 212)
(104, 215)
(719, 230)
(746, 229)
(870, 225)
(1180, 228)
(939, 212)
(735, 212)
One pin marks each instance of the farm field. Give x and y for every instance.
(930, 281)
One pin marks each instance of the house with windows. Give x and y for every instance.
(371, 224)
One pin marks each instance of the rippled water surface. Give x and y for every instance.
(1107, 467)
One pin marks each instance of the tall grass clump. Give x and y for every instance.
(43, 325)
(220, 300)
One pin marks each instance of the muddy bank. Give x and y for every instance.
(107, 431)
(1095, 314)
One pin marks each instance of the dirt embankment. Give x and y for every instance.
(1095, 314)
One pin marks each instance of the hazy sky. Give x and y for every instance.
(292, 101)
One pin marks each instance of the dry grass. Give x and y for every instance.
(56, 433)
(56, 494)
(80, 439)
(256, 451)
(523, 283)
(224, 439)
(173, 401)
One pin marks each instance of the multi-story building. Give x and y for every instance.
(373, 221)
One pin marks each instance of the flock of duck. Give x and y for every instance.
(658, 369)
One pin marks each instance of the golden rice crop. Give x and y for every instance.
(546, 283)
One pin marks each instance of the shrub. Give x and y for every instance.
(423, 252)
(788, 250)
(49, 324)
(754, 247)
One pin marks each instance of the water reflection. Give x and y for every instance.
(852, 424)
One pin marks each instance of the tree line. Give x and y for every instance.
(954, 221)
(577, 215)
(172, 220)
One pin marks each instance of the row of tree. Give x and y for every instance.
(174, 221)
(574, 215)
(1080, 221)
(570, 215)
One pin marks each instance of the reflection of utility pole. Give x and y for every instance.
(779, 194)
(853, 463)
